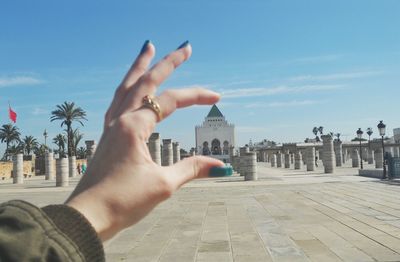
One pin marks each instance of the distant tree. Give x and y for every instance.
(29, 143)
(357, 139)
(9, 134)
(68, 113)
(14, 149)
(81, 152)
(183, 151)
(40, 150)
(76, 139)
(60, 141)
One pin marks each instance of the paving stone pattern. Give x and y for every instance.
(287, 215)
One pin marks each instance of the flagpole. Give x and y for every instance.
(9, 107)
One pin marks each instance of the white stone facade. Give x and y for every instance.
(215, 136)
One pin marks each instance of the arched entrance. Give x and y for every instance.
(216, 147)
(206, 150)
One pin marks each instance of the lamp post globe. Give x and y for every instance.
(382, 128)
(382, 131)
(359, 136)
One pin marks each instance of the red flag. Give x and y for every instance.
(12, 114)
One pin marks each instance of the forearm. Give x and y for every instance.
(53, 233)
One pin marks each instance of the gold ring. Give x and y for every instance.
(149, 102)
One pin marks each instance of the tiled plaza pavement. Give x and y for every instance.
(287, 215)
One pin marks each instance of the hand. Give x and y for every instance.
(122, 183)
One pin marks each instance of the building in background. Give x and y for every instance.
(396, 135)
(215, 136)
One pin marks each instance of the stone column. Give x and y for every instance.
(62, 172)
(396, 152)
(297, 160)
(273, 160)
(365, 154)
(370, 156)
(355, 158)
(234, 163)
(48, 166)
(287, 159)
(328, 153)
(249, 166)
(18, 169)
(279, 159)
(378, 158)
(338, 152)
(167, 156)
(176, 151)
(303, 153)
(231, 153)
(91, 149)
(72, 166)
(310, 159)
(155, 148)
(263, 155)
(244, 150)
(345, 155)
(192, 152)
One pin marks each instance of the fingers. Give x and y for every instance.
(149, 82)
(191, 168)
(170, 100)
(138, 68)
(163, 69)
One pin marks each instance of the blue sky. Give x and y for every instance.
(282, 67)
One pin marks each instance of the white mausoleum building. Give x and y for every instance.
(215, 136)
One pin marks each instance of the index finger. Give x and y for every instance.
(149, 82)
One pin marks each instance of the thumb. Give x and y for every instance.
(191, 168)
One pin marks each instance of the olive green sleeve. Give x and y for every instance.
(53, 233)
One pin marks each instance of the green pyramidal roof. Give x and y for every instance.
(214, 112)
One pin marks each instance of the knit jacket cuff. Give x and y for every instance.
(75, 226)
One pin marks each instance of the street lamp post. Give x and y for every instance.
(359, 135)
(45, 137)
(382, 131)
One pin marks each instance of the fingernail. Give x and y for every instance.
(220, 171)
(144, 47)
(185, 44)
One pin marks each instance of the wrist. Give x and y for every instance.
(99, 215)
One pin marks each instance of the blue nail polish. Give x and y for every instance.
(144, 47)
(185, 44)
(219, 171)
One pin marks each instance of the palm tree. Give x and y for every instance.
(40, 151)
(9, 134)
(60, 141)
(81, 152)
(68, 113)
(15, 149)
(77, 138)
(29, 143)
